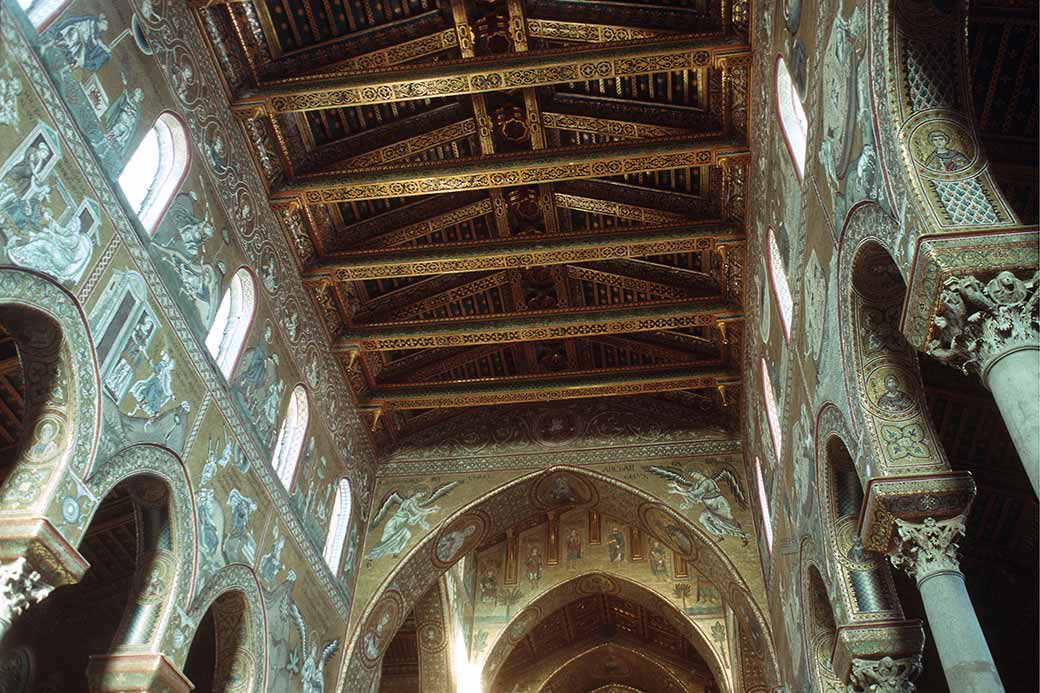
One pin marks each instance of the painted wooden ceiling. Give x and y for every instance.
(1002, 40)
(604, 618)
(506, 201)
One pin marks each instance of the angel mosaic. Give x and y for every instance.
(694, 488)
(404, 514)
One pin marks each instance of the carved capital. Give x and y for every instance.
(928, 547)
(978, 322)
(885, 675)
(20, 588)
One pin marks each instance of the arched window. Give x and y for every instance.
(772, 415)
(290, 438)
(763, 502)
(43, 12)
(156, 169)
(793, 122)
(338, 528)
(778, 280)
(228, 332)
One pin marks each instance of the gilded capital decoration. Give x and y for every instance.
(20, 588)
(928, 547)
(978, 322)
(885, 675)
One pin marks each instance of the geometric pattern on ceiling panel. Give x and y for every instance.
(506, 201)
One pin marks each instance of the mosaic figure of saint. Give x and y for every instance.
(658, 560)
(616, 545)
(943, 158)
(533, 565)
(573, 547)
(893, 399)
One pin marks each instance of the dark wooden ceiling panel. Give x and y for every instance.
(503, 198)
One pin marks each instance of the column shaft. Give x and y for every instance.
(962, 647)
(1014, 380)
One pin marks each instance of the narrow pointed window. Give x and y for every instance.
(155, 170)
(763, 502)
(772, 415)
(778, 282)
(338, 528)
(42, 12)
(791, 113)
(228, 332)
(290, 438)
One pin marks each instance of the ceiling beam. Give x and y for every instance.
(481, 75)
(581, 32)
(505, 170)
(538, 250)
(536, 325)
(549, 388)
(595, 125)
(591, 205)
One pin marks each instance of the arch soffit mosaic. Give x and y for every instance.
(505, 507)
(147, 462)
(586, 584)
(250, 658)
(74, 408)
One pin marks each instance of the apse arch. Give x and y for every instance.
(420, 566)
(590, 583)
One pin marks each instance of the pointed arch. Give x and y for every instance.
(290, 437)
(231, 325)
(154, 172)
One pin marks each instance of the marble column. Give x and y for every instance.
(20, 588)
(927, 551)
(993, 329)
(1014, 380)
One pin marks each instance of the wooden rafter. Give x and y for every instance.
(550, 388)
(482, 75)
(535, 325)
(528, 168)
(538, 250)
